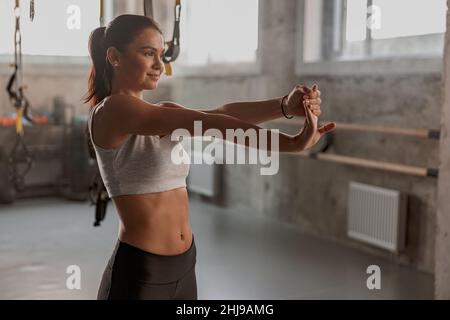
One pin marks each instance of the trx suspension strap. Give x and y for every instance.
(173, 46)
(32, 10)
(148, 8)
(97, 190)
(102, 13)
(21, 104)
(98, 197)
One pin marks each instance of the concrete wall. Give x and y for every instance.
(367, 100)
(442, 252)
(309, 194)
(47, 81)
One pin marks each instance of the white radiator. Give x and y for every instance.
(377, 216)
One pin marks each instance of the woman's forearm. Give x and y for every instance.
(263, 136)
(286, 143)
(254, 112)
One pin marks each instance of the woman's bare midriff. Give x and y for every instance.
(155, 222)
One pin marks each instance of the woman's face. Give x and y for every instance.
(141, 65)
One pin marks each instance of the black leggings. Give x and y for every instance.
(132, 273)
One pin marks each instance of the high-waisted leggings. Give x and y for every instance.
(132, 273)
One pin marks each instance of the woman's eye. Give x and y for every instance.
(149, 54)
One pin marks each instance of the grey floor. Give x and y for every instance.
(239, 256)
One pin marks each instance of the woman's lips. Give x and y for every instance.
(154, 77)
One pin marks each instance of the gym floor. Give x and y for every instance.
(239, 256)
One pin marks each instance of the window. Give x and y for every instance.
(60, 27)
(366, 29)
(381, 28)
(370, 36)
(219, 31)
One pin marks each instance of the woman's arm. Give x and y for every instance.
(130, 115)
(253, 112)
(256, 112)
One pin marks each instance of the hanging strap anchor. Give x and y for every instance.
(172, 47)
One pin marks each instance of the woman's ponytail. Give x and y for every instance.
(99, 84)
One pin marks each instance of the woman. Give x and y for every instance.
(155, 254)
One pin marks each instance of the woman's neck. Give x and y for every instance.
(139, 94)
(117, 89)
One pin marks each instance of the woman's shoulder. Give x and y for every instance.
(123, 104)
(121, 114)
(118, 100)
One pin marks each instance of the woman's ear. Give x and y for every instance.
(113, 56)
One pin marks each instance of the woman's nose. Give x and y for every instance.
(159, 64)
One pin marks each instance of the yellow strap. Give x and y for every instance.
(19, 126)
(102, 13)
(168, 68)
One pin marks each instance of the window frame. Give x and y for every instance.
(332, 62)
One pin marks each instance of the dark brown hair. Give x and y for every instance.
(119, 33)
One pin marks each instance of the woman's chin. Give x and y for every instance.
(151, 86)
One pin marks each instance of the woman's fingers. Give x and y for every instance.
(305, 108)
(301, 88)
(312, 101)
(304, 89)
(309, 93)
(327, 127)
(315, 108)
(314, 92)
(310, 117)
(313, 105)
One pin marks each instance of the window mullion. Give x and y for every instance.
(368, 47)
(339, 28)
(328, 30)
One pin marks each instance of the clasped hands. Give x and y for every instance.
(306, 102)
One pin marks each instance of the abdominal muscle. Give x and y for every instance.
(155, 222)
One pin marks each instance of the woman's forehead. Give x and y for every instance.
(149, 37)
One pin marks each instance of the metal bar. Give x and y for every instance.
(419, 133)
(372, 164)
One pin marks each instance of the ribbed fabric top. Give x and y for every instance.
(141, 164)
